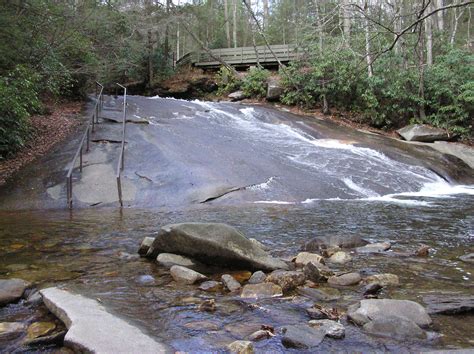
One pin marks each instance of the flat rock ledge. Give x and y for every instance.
(92, 329)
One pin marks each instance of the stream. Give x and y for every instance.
(295, 180)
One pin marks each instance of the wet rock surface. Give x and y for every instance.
(369, 310)
(230, 282)
(321, 243)
(168, 260)
(257, 277)
(346, 279)
(185, 275)
(261, 291)
(446, 304)
(384, 280)
(302, 336)
(423, 133)
(11, 330)
(287, 280)
(394, 327)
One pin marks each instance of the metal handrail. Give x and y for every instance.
(120, 164)
(99, 103)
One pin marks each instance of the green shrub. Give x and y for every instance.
(254, 83)
(18, 99)
(227, 81)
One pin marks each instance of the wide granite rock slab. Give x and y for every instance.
(92, 329)
(214, 244)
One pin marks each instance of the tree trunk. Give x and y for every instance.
(166, 52)
(234, 27)
(440, 15)
(421, 70)
(429, 39)
(266, 14)
(346, 13)
(368, 57)
(227, 22)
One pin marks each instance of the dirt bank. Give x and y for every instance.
(48, 130)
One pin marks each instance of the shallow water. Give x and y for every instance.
(93, 252)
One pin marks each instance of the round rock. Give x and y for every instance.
(345, 279)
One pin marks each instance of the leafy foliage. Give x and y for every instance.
(227, 81)
(18, 99)
(255, 82)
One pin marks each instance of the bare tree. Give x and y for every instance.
(227, 22)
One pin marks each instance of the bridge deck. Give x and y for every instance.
(241, 56)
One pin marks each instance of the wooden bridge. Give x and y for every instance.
(241, 56)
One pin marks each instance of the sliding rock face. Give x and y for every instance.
(213, 244)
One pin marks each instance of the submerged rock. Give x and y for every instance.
(12, 290)
(213, 243)
(346, 279)
(288, 280)
(444, 304)
(374, 247)
(372, 289)
(230, 283)
(11, 330)
(340, 257)
(185, 275)
(384, 280)
(39, 329)
(210, 286)
(394, 327)
(424, 133)
(241, 347)
(261, 291)
(257, 277)
(302, 336)
(468, 258)
(260, 334)
(320, 294)
(368, 310)
(332, 329)
(320, 243)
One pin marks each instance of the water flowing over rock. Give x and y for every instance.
(261, 291)
(213, 243)
(384, 280)
(302, 336)
(288, 280)
(394, 327)
(11, 330)
(12, 290)
(320, 294)
(185, 275)
(368, 310)
(331, 328)
(92, 329)
(424, 133)
(340, 258)
(374, 247)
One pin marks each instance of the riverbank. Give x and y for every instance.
(48, 130)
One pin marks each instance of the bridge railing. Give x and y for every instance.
(242, 55)
(121, 160)
(99, 102)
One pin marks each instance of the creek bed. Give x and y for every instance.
(93, 252)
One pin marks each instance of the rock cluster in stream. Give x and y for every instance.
(199, 248)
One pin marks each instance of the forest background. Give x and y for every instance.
(390, 62)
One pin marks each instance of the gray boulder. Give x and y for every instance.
(230, 283)
(394, 327)
(346, 279)
(288, 280)
(213, 243)
(321, 243)
(424, 133)
(261, 291)
(467, 258)
(369, 310)
(12, 290)
(274, 90)
(185, 275)
(302, 336)
(317, 272)
(236, 96)
(257, 277)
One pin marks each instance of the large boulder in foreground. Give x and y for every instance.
(423, 132)
(215, 244)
